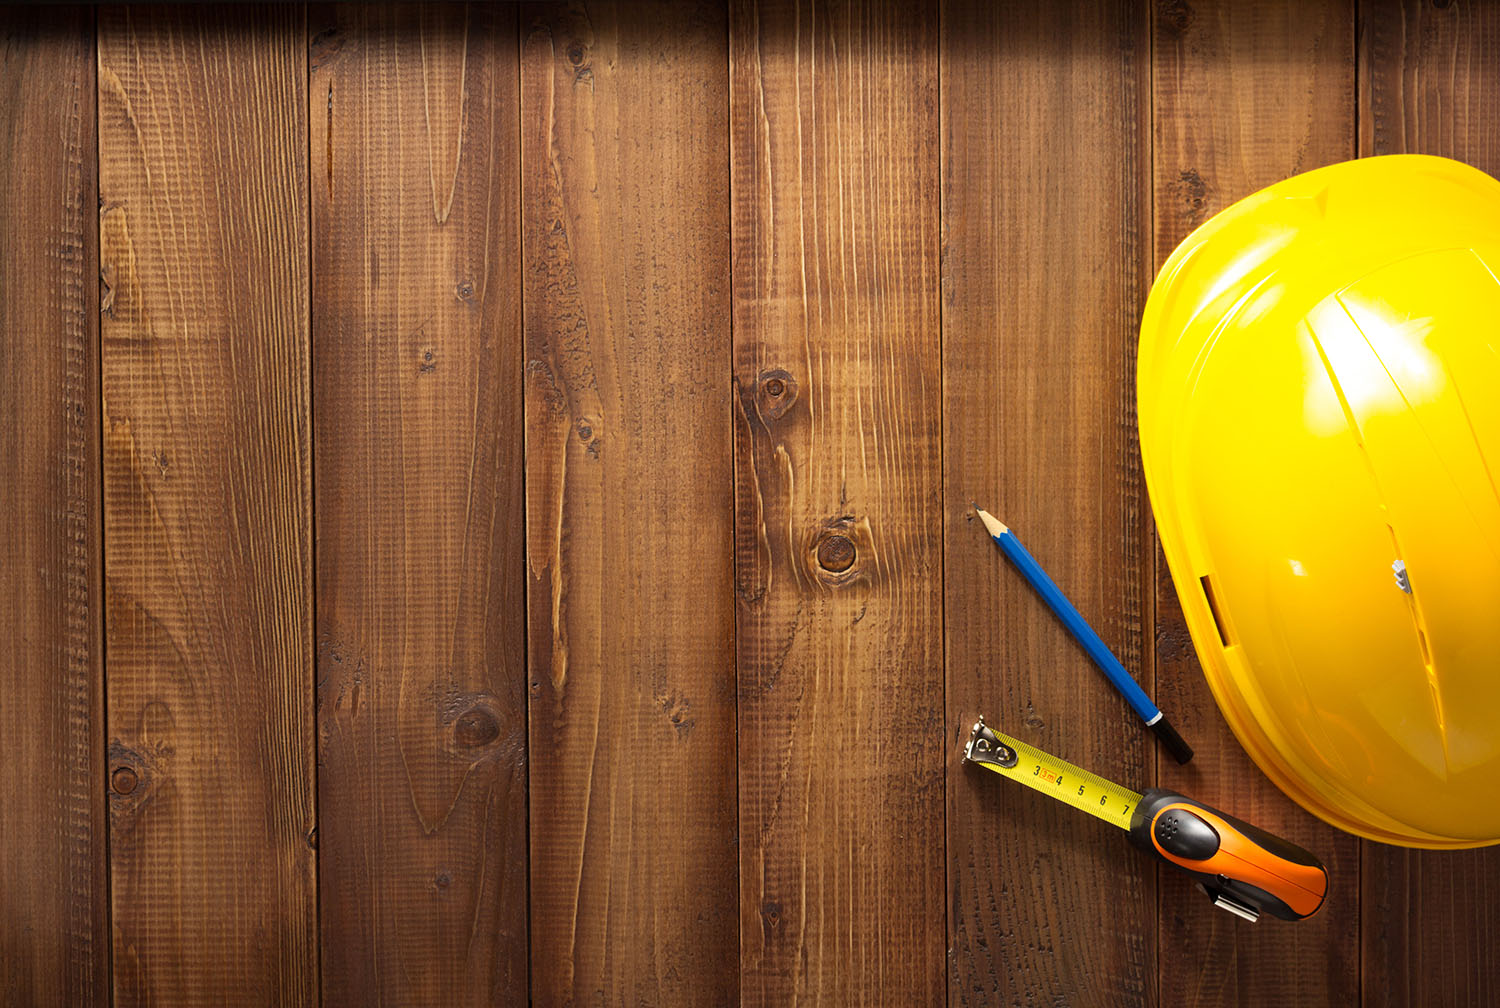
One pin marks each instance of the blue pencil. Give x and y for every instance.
(1084, 634)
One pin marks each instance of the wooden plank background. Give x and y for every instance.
(838, 538)
(498, 532)
(625, 272)
(1040, 428)
(417, 436)
(203, 273)
(54, 928)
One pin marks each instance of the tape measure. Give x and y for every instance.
(1242, 869)
(1046, 773)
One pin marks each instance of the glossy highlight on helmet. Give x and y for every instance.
(1319, 401)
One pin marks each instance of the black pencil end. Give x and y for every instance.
(1180, 750)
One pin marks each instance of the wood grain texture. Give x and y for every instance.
(1429, 77)
(53, 914)
(416, 333)
(624, 176)
(1430, 84)
(1428, 924)
(838, 515)
(203, 257)
(1244, 95)
(1046, 177)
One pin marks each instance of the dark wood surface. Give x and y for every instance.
(207, 519)
(629, 518)
(837, 489)
(416, 337)
(53, 923)
(1042, 388)
(514, 499)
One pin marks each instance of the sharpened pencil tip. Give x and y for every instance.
(994, 525)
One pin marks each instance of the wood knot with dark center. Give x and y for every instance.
(577, 54)
(1175, 17)
(590, 434)
(1193, 193)
(775, 392)
(475, 728)
(130, 781)
(123, 780)
(770, 919)
(325, 45)
(841, 552)
(836, 553)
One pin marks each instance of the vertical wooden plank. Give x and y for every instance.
(834, 137)
(54, 928)
(624, 176)
(1046, 203)
(203, 252)
(1430, 79)
(1245, 95)
(416, 331)
(1430, 84)
(1428, 926)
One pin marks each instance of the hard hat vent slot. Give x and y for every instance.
(1213, 609)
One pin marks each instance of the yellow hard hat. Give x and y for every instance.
(1319, 393)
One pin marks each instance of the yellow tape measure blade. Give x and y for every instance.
(1054, 777)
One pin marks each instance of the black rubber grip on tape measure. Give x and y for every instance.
(1261, 872)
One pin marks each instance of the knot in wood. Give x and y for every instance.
(476, 727)
(325, 45)
(840, 552)
(776, 391)
(836, 553)
(123, 780)
(1175, 18)
(770, 920)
